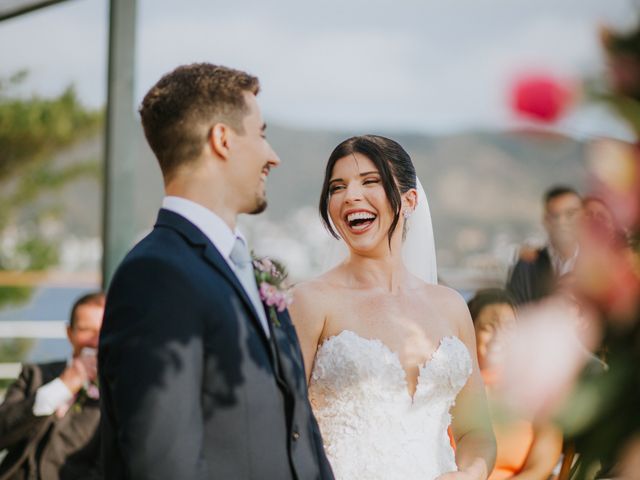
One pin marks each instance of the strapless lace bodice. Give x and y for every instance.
(371, 426)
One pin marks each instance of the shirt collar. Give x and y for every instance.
(560, 265)
(215, 229)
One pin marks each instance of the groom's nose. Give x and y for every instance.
(274, 159)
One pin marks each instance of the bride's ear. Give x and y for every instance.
(410, 200)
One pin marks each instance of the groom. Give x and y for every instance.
(197, 381)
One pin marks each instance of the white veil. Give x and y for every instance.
(418, 248)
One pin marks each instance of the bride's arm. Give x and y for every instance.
(308, 318)
(472, 430)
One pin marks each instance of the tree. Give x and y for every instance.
(33, 132)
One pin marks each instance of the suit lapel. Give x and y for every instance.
(49, 371)
(285, 342)
(214, 258)
(279, 344)
(545, 275)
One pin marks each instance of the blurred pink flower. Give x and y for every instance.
(264, 265)
(93, 392)
(628, 467)
(273, 297)
(548, 350)
(541, 97)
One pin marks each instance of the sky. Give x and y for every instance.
(434, 66)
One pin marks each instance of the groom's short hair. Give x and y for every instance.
(179, 111)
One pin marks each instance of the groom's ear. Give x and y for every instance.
(219, 140)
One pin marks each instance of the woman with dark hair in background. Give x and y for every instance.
(526, 449)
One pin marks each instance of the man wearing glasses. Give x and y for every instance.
(537, 272)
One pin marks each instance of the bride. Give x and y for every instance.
(390, 359)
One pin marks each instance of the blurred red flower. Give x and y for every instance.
(541, 97)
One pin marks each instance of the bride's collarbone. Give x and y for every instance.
(371, 309)
(404, 323)
(411, 338)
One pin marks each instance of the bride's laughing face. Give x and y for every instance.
(358, 204)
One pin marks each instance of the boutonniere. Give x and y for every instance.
(87, 392)
(271, 277)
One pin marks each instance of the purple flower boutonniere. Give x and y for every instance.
(271, 278)
(88, 392)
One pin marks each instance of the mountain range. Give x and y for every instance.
(484, 188)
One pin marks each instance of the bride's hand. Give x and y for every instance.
(475, 471)
(458, 476)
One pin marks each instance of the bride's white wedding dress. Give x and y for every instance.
(371, 426)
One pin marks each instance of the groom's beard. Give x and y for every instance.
(261, 200)
(261, 206)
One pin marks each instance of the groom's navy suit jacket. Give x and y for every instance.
(191, 386)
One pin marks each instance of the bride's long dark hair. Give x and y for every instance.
(396, 169)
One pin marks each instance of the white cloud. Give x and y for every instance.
(59, 45)
(407, 64)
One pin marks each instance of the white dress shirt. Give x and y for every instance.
(215, 229)
(208, 222)
(50, 397)
(560, 265)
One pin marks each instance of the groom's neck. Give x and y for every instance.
(205, 194)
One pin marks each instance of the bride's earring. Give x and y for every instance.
(406, 213)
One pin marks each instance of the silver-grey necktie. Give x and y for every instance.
(241, 259)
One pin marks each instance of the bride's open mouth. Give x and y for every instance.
(360, 221)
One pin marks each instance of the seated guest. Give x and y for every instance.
(525, 449)
(50, 416)
(536, 272)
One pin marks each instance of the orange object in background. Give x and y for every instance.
(451, 439)
(513, 439)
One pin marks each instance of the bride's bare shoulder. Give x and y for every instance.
(315, 292)
(448, 299)
(453, 307)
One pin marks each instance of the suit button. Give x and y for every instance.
(295, 435)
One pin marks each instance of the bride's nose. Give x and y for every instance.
(353, 192)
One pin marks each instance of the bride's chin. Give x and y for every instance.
(363, 246)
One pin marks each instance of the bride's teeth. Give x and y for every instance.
(360, 216)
